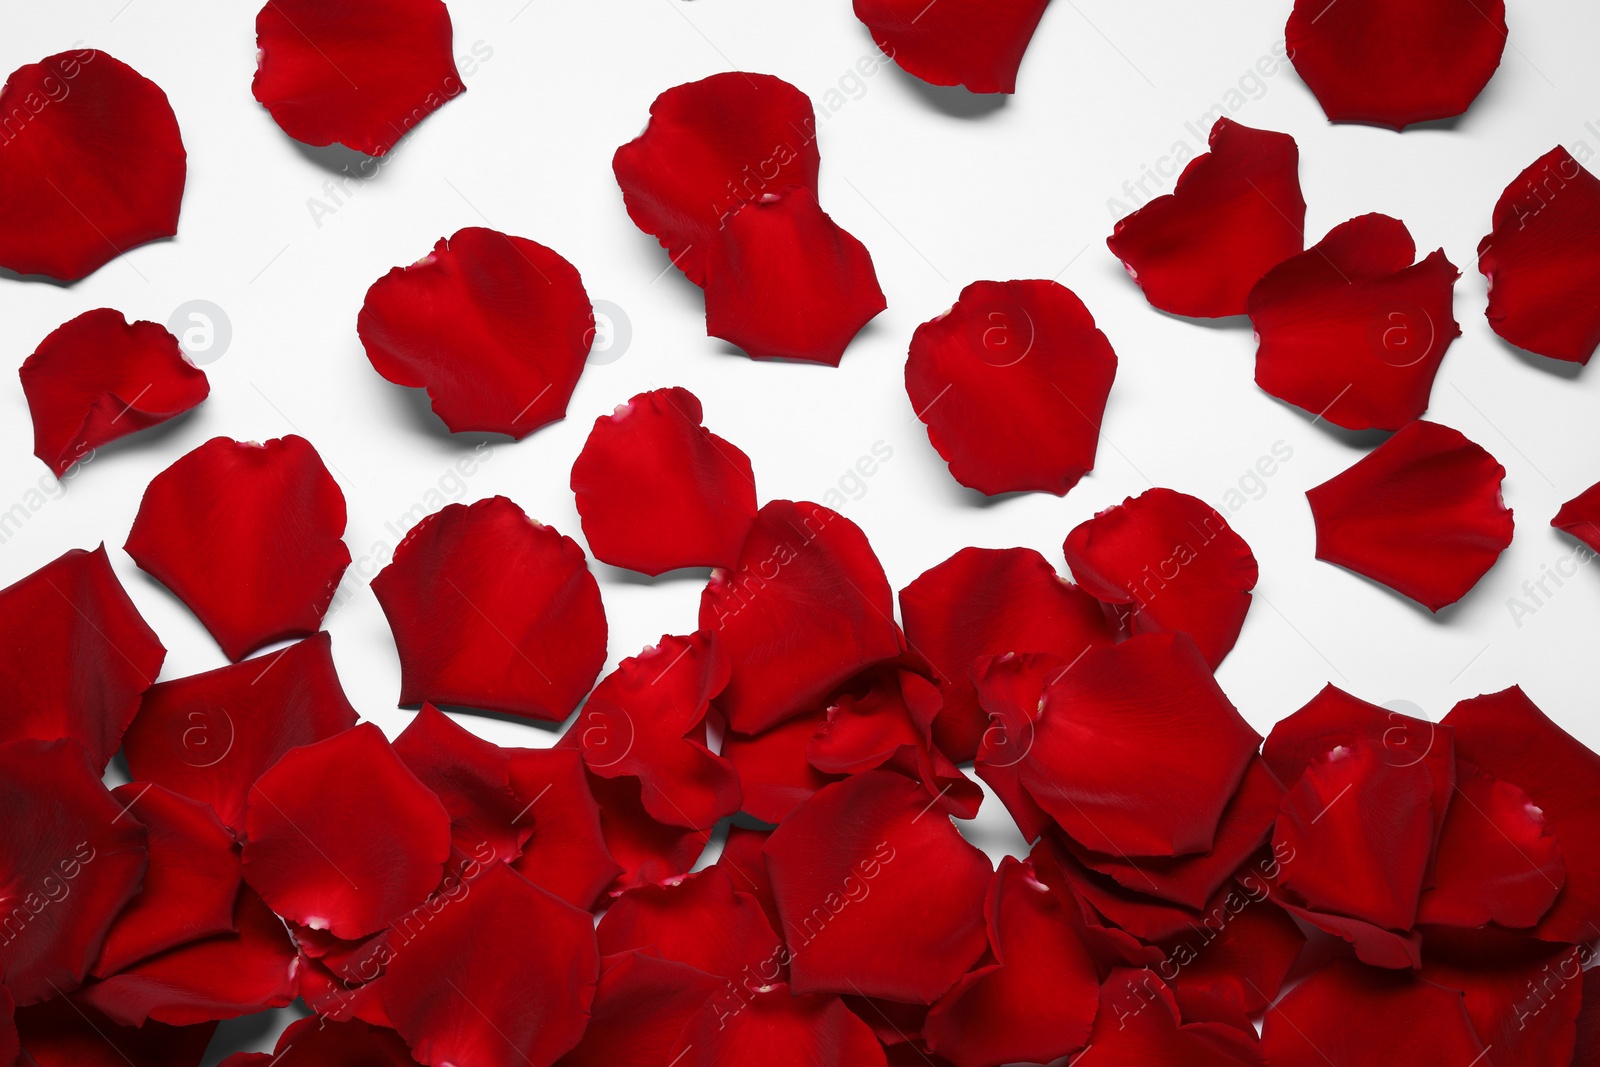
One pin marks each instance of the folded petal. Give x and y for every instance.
(957, 42)
(769, 1026)
(774, 774)
(1580, 517)
(1011, 695)
(566, 853)
(493, 610)
(700, 920)
(1139, 1024)
(1422, 514)
(1239, 955)
(640, 1007)
(1012, 383)
(65, 1033)
(472, 779)
(1351, 330)
(647, 851)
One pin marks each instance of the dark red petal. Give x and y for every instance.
(700, 920)
(1108, 944)
(1372, 944)
(70, 859)
(1421, 514)
(1351, 330)
(955, 42)
(1238, 955)
(210, 736)
(320, 1043)
(248, 536)
(1235, 213)
(646, 720)
(1012, 383)
(1172, 563)
(774, 774)
(1347, 1015)
(217, 978)
(360, 74)
(1394, 64)
(647, 851)
(1505, 735)
(984, 601)
(879, 895)
(472, 779)
(98, 377)
(657, 491)
(341, 836)
(1586, 1050)
(1542, 259)
(1137, 750)
(65, 1033)
(496, 329)
(93, 164)
(743, 860)
(807, 608)
(711, 147)
(1139, 1025)
(640, 1007)
(1010, 693)
(1580, 517)
(1037, 1001)
(766, 1027)
(502, 978)
(493, 610)
(1497, 859)
(74, 655)
(190, 886)
(566, 853)
(1523, 996)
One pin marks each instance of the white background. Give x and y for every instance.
(943, 189)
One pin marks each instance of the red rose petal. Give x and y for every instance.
(784, 281)
(1139, 1024)
(1109, 945)
(956, 42)
(1351, 330)
(1421, 514)
(217, 978)
(1010, 692)
(1171, 563)
(711, 147)
(76, 655)
(1037, 1001)
(700, 920)
(1586, 1050)
(71, 859)
(493, 610)
(341, 836)
(210, 736)
(640, 1007)
(502, 978)
(1372, 945)
(65, 1033)
(566, 853)
(657, 491)
(93, 164)
(1542, 262)
(983, 602)
(320, 1043)
(1523, 996)
(1238, 956)
(1137, 750)
(496, 329)
(248, 537)
(879, 895)
(190, 886)
(807, 608)
(1235, 213)
(472, 779)
(743, 860)
(774, 774)
(1394, 64)
(1505, 735)
(1347, 1015)
(98, 377)
(769, 1027)
(1580, 517)
(1012, 383)
(360, 74)
(647, 851)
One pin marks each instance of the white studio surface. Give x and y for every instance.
(943, 189)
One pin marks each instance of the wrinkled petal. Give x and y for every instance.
(1523, 996)
(774, 774)
(1580, 517)
(472, 779)
(647, 851)
(743, 860)
(1421, 514)
(1012, 383)
(956, 42)
(493, 610)
(700, 920)
(768, 1026)
(1351, 330)
(1139, 1024)
(640, 1007)
(1010, 692)
(566, 853)
(248, 536)
(65, 1033)
(93, 164)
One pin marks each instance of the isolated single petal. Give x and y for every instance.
(958, 42)
(1580, 517)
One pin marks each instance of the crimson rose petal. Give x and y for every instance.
(879, 895)
(65, 1033)
(768, 1026)
(1580, 517)
(700, 920)
(472, 779)
(74, 655)
(955, 42)
(1171, 563)
(711, 147)
(1394, 64)
(93, 164)
(984, 601)
(1139, 1023)
(657, 491)
(1012, 383)
(248, 536)
(1351, 330)
(317, 1042)
(210, 736)
(647, 851)
(342, 837)
(566, 853)
(1010, 691)
(503, 977)
(98, 377)
(807, 609)
(1235, 213)
(360, 73)
(640, 1007)
(1523, 996)
(1421, 514)
(493, 610)
(1239, 958)
(1586, 1050)
(774, 774)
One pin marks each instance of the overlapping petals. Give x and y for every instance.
(66, 1033)
(1347, 1015)
(961, 42)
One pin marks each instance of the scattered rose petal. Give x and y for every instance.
(65, 1033)
(1523, 996)
(640, 1007)
(566, 853)
(319, 1043)
(700, 920)
(768, 1025)
(648, 851)
(774, 774)
(1239, 956)
(1139, 1023)
(956, 42)
(1010, 692)
(1580, 517)
(472, 779)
